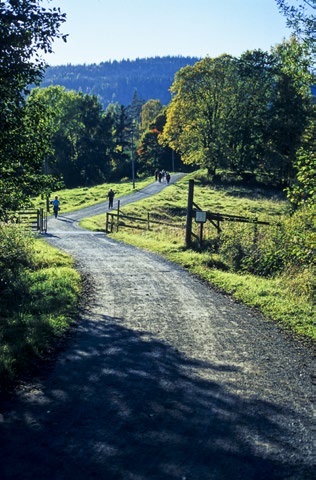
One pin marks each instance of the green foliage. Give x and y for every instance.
(246, 114)
(80, 136)
(27, 30)
(37, 305)
(16, 253)
(301, 19)
(269, 250)
(150, 110)
(299, 239)
(303, 189)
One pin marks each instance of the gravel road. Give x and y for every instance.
(161, 379)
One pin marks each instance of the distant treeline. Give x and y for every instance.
(117, 81)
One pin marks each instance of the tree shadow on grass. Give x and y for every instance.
(122, 405)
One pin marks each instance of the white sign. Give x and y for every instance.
(200, 217)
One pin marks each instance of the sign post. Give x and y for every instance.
(188, 228)
(200, 217)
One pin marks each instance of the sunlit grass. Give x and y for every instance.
(76, 198)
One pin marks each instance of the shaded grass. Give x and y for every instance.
(44, 305)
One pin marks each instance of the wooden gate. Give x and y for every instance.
(35, 219)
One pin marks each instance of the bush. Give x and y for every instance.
(270, 250)
(16, 253)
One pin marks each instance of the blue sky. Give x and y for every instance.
(102, 30)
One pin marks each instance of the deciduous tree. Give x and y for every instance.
(26, 30)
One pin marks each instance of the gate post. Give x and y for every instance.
(118, 215)
(188, 229)
(41, 220)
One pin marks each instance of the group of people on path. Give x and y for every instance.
(161, 175)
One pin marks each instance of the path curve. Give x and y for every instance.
(162, 379)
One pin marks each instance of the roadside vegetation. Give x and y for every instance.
(39, 290)
(266, 267)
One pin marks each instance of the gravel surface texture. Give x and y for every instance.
(162, 378)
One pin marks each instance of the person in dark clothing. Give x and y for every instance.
(111, 197)
(55, 204)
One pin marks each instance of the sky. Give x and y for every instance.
(107, 30)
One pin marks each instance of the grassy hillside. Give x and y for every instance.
(117, 81)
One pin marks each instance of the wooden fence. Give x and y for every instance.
(119, 219)
(35, 219)
(115, 220)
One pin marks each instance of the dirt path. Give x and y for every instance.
(162, 379)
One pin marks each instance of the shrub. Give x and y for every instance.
(269, 250)
(16, 253)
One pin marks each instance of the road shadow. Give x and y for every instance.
(63, 218)
(122, 405)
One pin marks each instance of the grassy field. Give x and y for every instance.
(285, 298)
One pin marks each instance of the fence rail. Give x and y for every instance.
(35, 219)
(118, 220)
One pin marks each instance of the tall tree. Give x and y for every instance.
(26, 30)
(80, 133)
(124, 140)
(244, 114)
(301, 19)
(197, 113)
(290, 107)
(149, 112)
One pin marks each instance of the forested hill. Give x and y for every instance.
(117, 81)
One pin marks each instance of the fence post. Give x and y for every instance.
(40, 227)
(118, 215)
(107, 223)
(38, 219)
(255, 232)
(201, 234)
(188, 229)
(148, 226)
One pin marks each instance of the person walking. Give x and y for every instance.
(111, 197)
(55, 204)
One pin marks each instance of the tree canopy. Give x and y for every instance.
(246, 114)
(27, 30)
